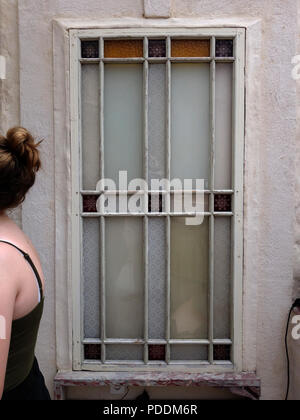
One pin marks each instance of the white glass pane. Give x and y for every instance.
(156, 122)
(124, 277)
(91, 277)
(222, 286)
(189, 279)
(157, 277)
(123, 120)
(189, 352)
(190, 134)
(223, 125)
(90, 125)
(124, 352)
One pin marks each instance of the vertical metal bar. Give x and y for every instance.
(103, 301)
(146, 233)
(168, 176)
(146, 264)
(212, 187)
(101, 48)
(78, 202)
(102, 218)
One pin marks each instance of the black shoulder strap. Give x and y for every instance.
(27, 257)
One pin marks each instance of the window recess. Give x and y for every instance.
(150, 290)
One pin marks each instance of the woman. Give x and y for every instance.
(21, 276)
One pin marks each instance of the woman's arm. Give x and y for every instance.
(8, 293)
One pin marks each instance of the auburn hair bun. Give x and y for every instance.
(19, 162)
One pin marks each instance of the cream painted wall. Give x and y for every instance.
(9, 89)
(270, 169)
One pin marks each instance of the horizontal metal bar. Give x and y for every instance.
(124, 60)
(164, 214)
(157, 60)
(131, 192)
(223, 214)
(190, 59)
(222, 341)
(189, 362)
(92, 341)
(189, 341)
(225, 59)
(154, 341)
(157, 214)
(89, 60)
(124, 341)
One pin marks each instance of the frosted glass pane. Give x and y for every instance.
(124, 352)
(223, 125)
(123, 120)
(124, 277)
(156, 123)
(189, 279)
(157, 277)
(189, 352)
(190, 121)
(222, 284)
(90, 125)
(91, 277)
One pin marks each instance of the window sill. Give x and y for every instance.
(244, 384)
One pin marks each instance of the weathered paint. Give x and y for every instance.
(244, 384)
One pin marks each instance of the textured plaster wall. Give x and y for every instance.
(9, 88)
(295, 345)
(269, 161)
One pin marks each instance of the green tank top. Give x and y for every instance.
(24, 334)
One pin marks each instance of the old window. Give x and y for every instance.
(149, 288)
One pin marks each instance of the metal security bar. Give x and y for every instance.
(236, 194)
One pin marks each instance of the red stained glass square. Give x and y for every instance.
(157, 352)
(224, 48)
(89, 49)
(222, 352)
(89, 203)
(157, 48)
(92, 351)
(223, 202)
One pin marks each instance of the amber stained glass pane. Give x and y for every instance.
(222, 202)
(157, 48)
(190, 48)
(222, 352)
(123, 48)
(89, 49)
(157, 352)
(224, 48)
(92, 351)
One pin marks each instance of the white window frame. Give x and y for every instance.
(238, 34)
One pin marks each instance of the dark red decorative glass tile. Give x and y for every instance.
(89, 203)
(92, 351)
(155, 203)
(222, 352)
(222, 202)
(224, 48)
(157, 352)
(89, 49)
(157, 48)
